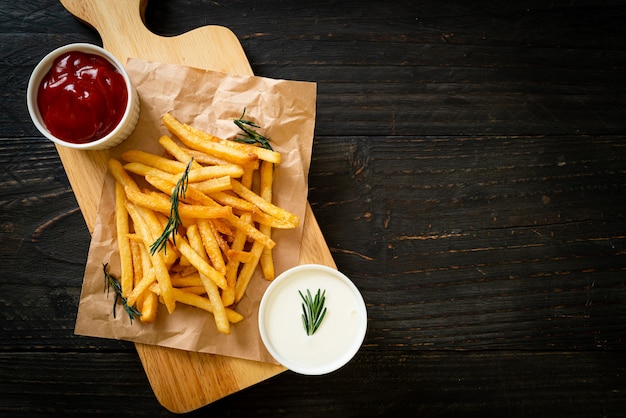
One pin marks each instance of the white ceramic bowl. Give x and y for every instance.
(113, 138)
(340, 334)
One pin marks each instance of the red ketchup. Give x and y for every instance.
(82, 98)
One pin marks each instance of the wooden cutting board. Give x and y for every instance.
(182, 381)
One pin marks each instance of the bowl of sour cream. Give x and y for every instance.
(312, 319)
(80, 96)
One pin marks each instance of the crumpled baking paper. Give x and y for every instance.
(208, 100)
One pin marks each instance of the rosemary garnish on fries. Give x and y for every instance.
(249, 135)
(174, 220)
(112, 281)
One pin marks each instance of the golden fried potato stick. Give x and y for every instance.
(150, 300)
(158, 263)
(261, 153)
(214, 171)
(194, 141)
(199, 263)
(247, 271)
(264, 205)
(191, 194)
(240, 256)
(219, 313)
(208, 159)
(247, 178)
(211, 244)
(123, 243)
(200, 302)
(155, 223)
(214, 185)
(149, 277)
(195, 175)
(120, 175)
(146, 170)
(152, 160)
(176, 151)
(161, 203)
(135, 251)
(186, 280)
(196, 290)
(149, 308)
(234, 202)
(266, 184)
(232, 267)
(250, 230)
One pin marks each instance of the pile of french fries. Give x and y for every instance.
(227, 218)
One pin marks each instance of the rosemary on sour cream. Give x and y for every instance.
(313, 310)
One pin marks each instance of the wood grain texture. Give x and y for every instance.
(467, 173)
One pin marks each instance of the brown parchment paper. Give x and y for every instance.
(208, 100)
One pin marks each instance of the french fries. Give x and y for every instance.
(200, 200)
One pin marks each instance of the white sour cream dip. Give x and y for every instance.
(340, 334)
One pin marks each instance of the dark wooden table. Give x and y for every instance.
(468, 173)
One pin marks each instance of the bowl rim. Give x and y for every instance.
(42, 68)
(336, 363)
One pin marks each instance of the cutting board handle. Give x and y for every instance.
(121, 25)
(106, 16)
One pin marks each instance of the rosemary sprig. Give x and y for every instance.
(174, 220)
(112, 281)
(249, 135)
(313, 310)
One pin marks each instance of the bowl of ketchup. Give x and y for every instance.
(80, 96)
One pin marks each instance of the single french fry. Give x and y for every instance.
(149, 277)
(120, 175)
(219, 313)
(149, 300)
(247, 177)
(197, 142)
(215, 171)
(204, 158)
(197, 290)
(191, 194)
(250, 230)
(200, 302)
(176, 151)
(199, 263)
(145, 170)
(240, 256)
(232, 267)
(162, 204)
(211, 245)
(263, 218)
(234, 202)
(186, 280)
(195, 175)
(247, 271)
(123, 243)
(149, 308)
(135, 251)
(156, 223)
(214, 185)
(222, 241)
(261, 153)
(155, 161)
(134, 238)
(158, 263)
(266, 173)
(264, 205)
